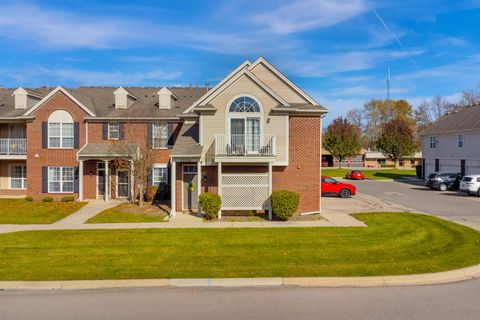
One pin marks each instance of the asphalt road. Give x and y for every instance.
(452, 301)
(449, 204)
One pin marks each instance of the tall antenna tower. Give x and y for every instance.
(388, 84)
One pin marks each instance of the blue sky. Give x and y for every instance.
(338, 51)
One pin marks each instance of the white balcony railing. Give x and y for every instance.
(245, 145)
(13, 146)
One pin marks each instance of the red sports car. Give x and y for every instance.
(333, 187)
(355, 175)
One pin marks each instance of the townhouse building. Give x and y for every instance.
(452, 143)
(251, 134)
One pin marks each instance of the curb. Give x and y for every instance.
(375, 281)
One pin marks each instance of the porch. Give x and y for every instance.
(100, 176)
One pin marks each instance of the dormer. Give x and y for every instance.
(165, 98)
(123, 98)
(25, 99)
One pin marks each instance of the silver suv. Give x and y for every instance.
(470, 184)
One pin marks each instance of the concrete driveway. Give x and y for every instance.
(411, 193)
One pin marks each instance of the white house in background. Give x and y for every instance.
(452, 143)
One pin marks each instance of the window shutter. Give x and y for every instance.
(76, 181)
(121, 131)
(105, 131)
(149, 135)
(170, 135)
(44, 179)
(44, 135)
(76, 135)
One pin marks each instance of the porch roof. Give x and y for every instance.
(102, 150)
(187, 142)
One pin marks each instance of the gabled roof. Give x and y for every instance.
(464, 119)
(245, 69)
(48, 96)
(187, 141)
(263, 61)
(254, 78)
(246, 63)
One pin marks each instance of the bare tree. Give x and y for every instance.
(430, 111)
(355, 116)
(470, 97)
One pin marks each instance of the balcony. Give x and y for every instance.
(13, 147)
(245, 145)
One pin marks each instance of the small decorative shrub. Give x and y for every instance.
(284, 203)
(150, 193)
(68, 199)
(47, 199)
(28, 198)
(210, 203)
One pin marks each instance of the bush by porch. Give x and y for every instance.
(21, 211)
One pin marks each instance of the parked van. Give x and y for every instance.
(470, 184)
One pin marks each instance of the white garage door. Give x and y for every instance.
(429, 167)
(452, 166)
(472, 167)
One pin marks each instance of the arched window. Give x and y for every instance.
(60, 130)
(244, 125)
(244, 104)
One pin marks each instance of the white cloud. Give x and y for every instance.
(79, 77)
(64, 29)
(309, 14)
(365, 90)
(337, 62)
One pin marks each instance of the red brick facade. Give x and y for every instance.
(301, 175)
(303, 172)
(38, 157)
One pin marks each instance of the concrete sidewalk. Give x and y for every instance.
(376, 281)
(91, 209)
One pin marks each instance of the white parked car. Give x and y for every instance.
(470, 184)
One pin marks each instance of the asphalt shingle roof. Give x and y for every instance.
(187, 141)
(101, 101)
(462, 120)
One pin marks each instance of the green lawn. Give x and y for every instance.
(128, 212)
(19, 211)
(392, 244)
(384, 174)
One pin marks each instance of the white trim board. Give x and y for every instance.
(48, 96)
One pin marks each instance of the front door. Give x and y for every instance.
(123, 184)
(190, 187)
(100, 180)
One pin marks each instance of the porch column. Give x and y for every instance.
(173, 187)
(132, 183)
(199, 184)
(219, 186)
(269, 191)
(80, 181)
(107, 184)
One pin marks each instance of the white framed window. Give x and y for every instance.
(433, 142)
(18, 176)
(159, 175)
(60, 130)
(244, 125)
(159, 135)
(460, 141)
(61, 179)
(113, 131)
